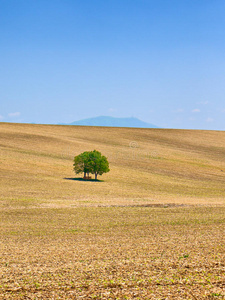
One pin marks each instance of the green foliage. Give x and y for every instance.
(81, 163)
(91, 162)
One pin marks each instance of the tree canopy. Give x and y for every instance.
(91, 162)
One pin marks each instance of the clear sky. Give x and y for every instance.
(162, 61)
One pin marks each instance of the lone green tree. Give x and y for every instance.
(98, 163)
(91, 162)
(81, 163)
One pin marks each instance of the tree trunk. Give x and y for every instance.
(84, 174)
(96, 176)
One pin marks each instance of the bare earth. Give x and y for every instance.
(153, 228)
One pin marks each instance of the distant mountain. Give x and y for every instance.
(114, 122)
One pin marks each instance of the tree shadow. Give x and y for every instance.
(82, 179)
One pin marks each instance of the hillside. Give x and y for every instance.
(134, 235)
(148, 166)
(114, 122)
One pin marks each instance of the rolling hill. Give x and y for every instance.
(148, 166)
(152, 228)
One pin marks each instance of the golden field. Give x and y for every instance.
(147, 165)
(152, 228)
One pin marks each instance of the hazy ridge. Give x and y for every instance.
(114, 122)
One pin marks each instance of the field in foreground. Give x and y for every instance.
(152, 229)
(113, 253)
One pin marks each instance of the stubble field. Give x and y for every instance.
(153, 228)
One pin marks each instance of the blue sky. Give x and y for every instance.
(161, 61)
